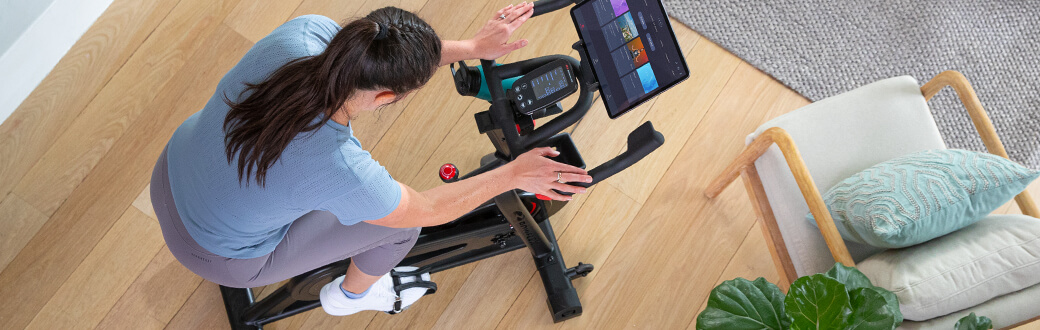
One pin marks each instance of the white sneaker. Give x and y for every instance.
(380, 297)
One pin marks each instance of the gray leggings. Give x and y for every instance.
(314, 240)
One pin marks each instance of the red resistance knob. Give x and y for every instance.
(449, 172)
(542, 197)
(521, 131)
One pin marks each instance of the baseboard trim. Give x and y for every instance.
(35, 53)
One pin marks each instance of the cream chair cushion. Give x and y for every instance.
(838, 137)
(995, 256)
(1005, 311)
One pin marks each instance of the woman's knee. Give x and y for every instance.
(407, 236)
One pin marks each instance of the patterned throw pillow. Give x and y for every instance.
(921, 196)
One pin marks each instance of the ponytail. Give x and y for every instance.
(388, 49)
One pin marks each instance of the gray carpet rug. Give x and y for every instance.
(821, 48)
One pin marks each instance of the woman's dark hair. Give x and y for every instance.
(302, 95)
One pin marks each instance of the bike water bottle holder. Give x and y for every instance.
(568, 151)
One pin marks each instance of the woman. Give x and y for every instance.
(267, 181)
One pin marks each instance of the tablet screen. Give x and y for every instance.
(632, 50)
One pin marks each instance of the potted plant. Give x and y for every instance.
(842, 298)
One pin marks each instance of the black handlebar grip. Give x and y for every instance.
(546, 6)
(641, 142)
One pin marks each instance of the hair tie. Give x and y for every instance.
(381, 34)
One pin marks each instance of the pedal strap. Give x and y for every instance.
(415, 273)
(430, 287)
(416, 283)
(397, 300)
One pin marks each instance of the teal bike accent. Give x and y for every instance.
(484, 93)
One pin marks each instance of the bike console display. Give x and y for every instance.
(632, 49)
(543, 87)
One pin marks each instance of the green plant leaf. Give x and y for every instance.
(854, 279)
(972, 322)
(893, 303)
(818, 302)
(871, 311)
(743, 304)
(850, 276)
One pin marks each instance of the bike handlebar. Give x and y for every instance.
(641, 142)
(502, 112)
(547, 6)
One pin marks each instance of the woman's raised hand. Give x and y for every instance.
(534, 172)
(492, 41)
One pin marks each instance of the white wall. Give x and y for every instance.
(15, 18)
(34, 35)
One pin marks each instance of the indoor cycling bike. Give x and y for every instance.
(519, 93)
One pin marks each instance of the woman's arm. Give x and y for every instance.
(532, 172)
(492, 41)
(457, 50)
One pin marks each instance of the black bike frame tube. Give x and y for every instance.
(261, 310)
(296, 308)
(523, 223)
(236, 301)
(561, 296)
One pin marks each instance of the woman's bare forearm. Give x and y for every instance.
(446, 202)
(456, 50)
(532, 171)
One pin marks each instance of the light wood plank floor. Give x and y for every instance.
(80, 246)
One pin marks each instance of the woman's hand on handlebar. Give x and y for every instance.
(534, 172)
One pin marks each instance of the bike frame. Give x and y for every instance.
(511, 221)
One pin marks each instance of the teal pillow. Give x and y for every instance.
(921, 196)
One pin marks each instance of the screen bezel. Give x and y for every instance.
(645, 97)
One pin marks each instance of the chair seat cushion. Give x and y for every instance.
(917, 197)
(1005, 311)
(995, 256)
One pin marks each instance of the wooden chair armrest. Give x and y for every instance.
(801, 175)
(770, 229)
(983, 124)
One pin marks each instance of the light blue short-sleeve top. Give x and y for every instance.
(325, 170)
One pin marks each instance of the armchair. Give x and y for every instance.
(836, 138)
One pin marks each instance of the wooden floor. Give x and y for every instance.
(80, 246)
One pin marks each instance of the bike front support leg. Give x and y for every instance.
(562, 298)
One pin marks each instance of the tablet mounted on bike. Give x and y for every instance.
(633, 50)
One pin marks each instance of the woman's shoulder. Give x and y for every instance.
(315, 25)
(317, 21)
(303, 36)
(308, 33)
(300, 37)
